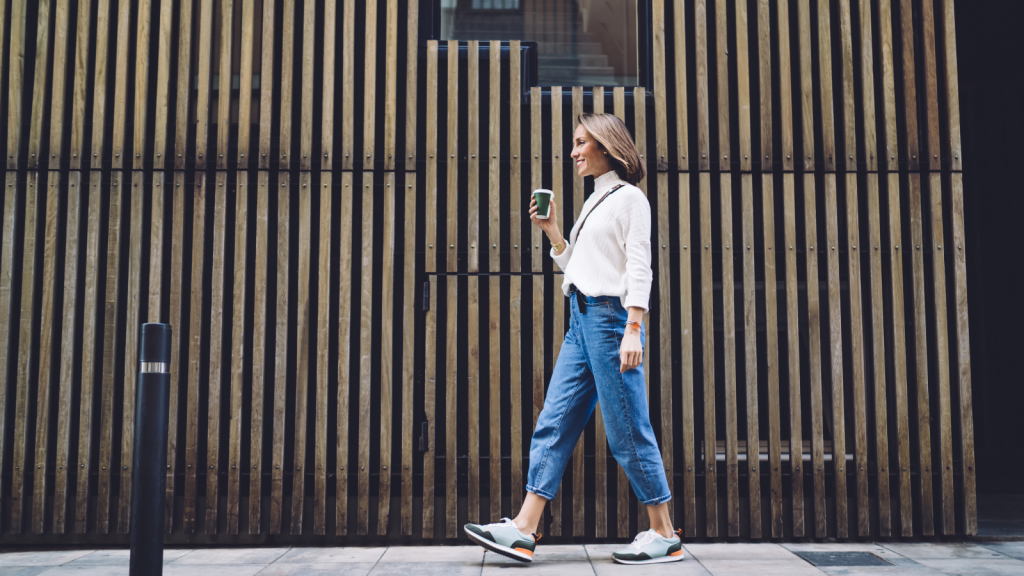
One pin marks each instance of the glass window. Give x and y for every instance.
(580, 42)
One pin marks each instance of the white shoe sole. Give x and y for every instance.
(498, 548)
(661, 560)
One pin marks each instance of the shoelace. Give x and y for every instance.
(644, 538)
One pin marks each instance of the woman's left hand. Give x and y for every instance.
(631, 352)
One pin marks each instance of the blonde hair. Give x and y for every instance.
(614, 138)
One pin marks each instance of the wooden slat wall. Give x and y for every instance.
(845, 189)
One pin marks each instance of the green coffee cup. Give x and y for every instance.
(543, 198)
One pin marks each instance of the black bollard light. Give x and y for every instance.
(150, 454)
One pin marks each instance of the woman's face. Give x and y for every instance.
(590, 159)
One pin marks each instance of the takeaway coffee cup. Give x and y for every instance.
(543, 198)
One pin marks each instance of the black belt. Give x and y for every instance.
(581, 299)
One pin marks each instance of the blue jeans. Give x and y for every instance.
(587, 369)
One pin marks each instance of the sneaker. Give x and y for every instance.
(504, 538)
(651, 548)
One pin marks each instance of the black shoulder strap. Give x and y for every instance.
(584, 221)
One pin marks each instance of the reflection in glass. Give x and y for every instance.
(580, 42)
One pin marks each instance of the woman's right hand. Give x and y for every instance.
(547, 225)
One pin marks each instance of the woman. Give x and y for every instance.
(607, 276)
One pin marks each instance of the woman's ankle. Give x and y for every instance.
(525, 526)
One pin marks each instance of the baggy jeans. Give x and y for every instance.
(587, 370)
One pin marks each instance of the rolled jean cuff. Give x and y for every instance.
(659, 500)
(543, 494)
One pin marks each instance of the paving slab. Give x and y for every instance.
(121, 557)
(262, 556)
(880, 570)
(68, 570)
(601, 560)
(976, 566)
(49, 558)
(740, 551)
(872, 547)
(318, 569)
(213, 569)
(1011, 549)
(331, 555)
(760, 567)
(541, 568)
(938, 550)
(456, 554)
(562, 553)
(23, 570)
(426, 568)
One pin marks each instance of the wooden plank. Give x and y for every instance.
(473, 281)
(867, 83)
(287, 75)
(280, 353)
(370, 85)
(183, 100)
(743, 88)
(772, 352)
(365, 358)
(41, 88)
(750, 353)
(162, 90)
(390, 83)
(793, 352)
(387, 328)
(216, 350)
(27, 354)
(47, 345)
(703, 118)
(19, 20)
(238, 327)
(344, 349)
(848, 120)
(206, 15)
(156, 246)
(60, 76)
(785, 95)
(412, 58)
(828, 138)
(516, 282)
(175, 319)
(302, 346)
(707, 322)
(729, 355)
(578, 456)
(622, 482)
(764, 53)
(860, 438)
(909, 140)
(660, 92)
(722, 75)
(878, 347)
(665, 323)
(259, 351)
(601, 448)
(224, 96)
(306, 107)
(890, 158)
(931, 108)
(963, 359)
(686, 342)
(81, 82)
(537, 359)
(814, 357)
(89, 319)
(640, 135)
(680, 82)
(11, 202)
(452, 265)
(577, 180)
(266, 88)
(941, 351)
(323, 356)
(111, 319)
(75, 211)
(144, 15)
(835, 323)
(920, 332)
(803, 10)
(408, 323)
(430, 265)
(329, 71)
(348, 85)
(558, 322)
(494, 284)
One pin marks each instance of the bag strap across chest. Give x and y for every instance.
(584, 221)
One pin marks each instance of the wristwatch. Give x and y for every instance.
(634, 325)
(559, 246)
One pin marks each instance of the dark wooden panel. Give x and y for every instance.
(370, 84)
(306, 120)
(41, 88)
(280, 354)
(835, 353)
(558, 322)
(772, 352)
(323, 355)
(732, 479)
(365, 358)
(183, 100)
(409, 345)
(390, 83)
(472, 231)
(708, 342)
(19, 21)
(287, 100)
(516, 282)
(750, 353)
(411, 74)
(260, 329)
(797, 468)
(81, 82)
(162, 89)
(266, 88)
(174, 319)
(238, 351)
(345, 329)
(451, 265)
(216, 350)
(144, 14)
(205, 47)
(302, 350)
(814, 355)
(686, 343)
(330, 17)
(680, 82)
(60, 77)
(386, 354)
(703, 119)
(494, 282)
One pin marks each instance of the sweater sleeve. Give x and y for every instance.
(562, 259)
(636, 222)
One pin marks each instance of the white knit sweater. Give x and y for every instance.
(613, 256)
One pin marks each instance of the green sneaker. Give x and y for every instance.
(651, 548)
(504, 538)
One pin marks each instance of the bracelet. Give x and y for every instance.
(559, 246)
(634, 324)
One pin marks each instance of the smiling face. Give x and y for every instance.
(590, 159)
